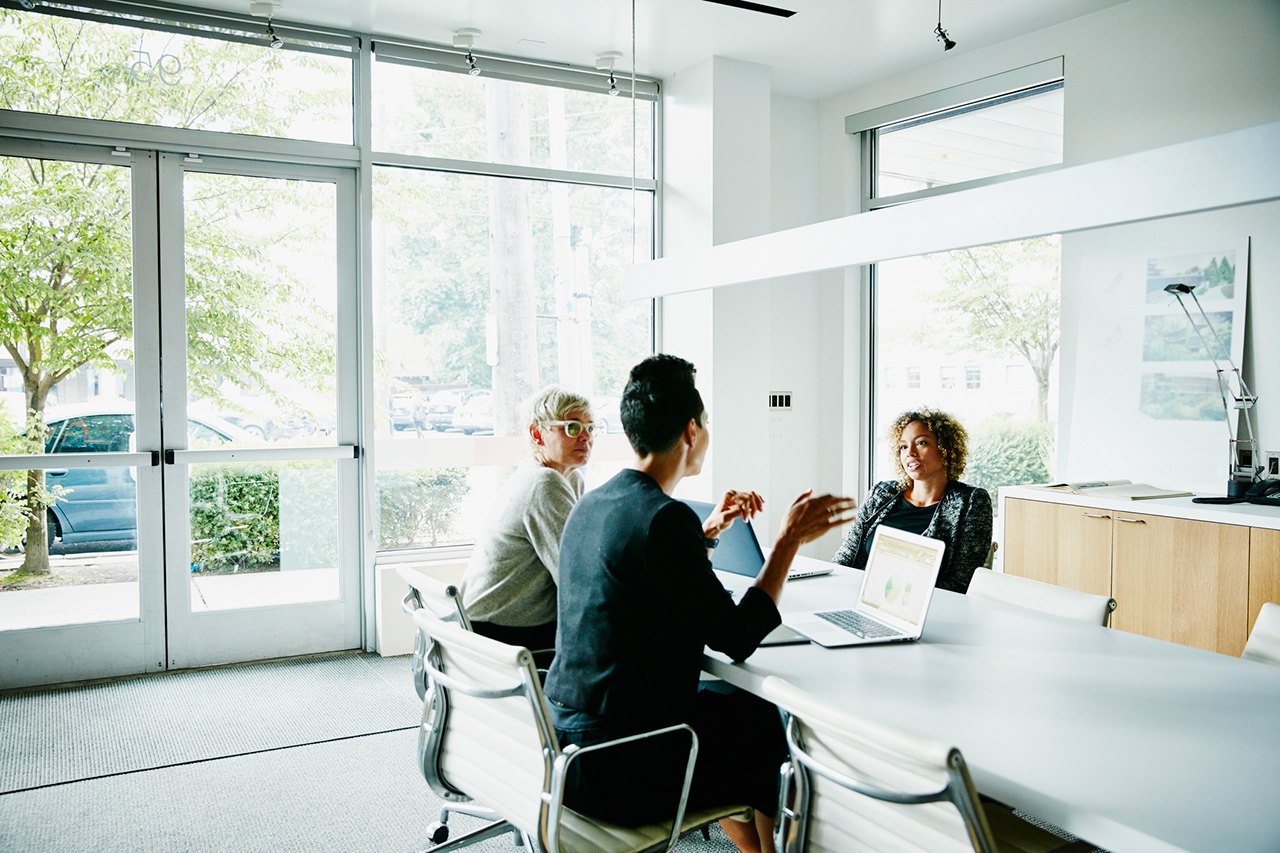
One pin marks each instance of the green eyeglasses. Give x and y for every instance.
(573, 429)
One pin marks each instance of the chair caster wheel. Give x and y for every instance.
(438, 833)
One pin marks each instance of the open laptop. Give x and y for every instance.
(897, 587)
(739, 550)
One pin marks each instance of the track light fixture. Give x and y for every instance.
(276, 41)
(27, 4)
(466, 38)
(940, 33)
(605, 62)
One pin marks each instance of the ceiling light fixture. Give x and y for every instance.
(27, 4)
(276, 41)
(466, 38)
(941, 34)
(606, 62)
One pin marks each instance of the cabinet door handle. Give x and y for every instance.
(1131, 520)
(1094, 515)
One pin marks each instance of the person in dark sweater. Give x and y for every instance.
(638, 602)
(929, 450)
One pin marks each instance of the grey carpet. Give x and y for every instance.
(57, 736)
(356, 795)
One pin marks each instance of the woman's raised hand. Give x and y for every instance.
(810, 517)
(732, 505)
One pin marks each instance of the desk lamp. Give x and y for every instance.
(1241, 468)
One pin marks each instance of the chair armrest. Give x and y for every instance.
(555, 798)
(410, 602)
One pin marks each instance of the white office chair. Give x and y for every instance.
(1044, 597)
(854, 786)
(487, 735)
(1264, 640)
(445, 602)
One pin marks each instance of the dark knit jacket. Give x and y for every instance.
(962, 520)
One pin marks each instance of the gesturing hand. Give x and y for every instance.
(732, 505)
(810, 517)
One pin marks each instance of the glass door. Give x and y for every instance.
(81, 584)
(260, 415)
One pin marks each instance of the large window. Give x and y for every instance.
(488, 288)
(994, 310)
(186, 181)
(974, 331)
(109, 66)
(1012, 133)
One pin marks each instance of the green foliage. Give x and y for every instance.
(420, 506)
(235, 518)
(13, 486)
(1005, 452)
(1001, 299)
(65, 228)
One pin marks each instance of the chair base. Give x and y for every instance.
(484, 833)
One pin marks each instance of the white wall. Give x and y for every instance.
(738, 162)
(1141, 75)
(1138, 76)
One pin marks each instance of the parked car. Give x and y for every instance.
(441, 406)
(100, 504)
(474, 415)
(406, 412)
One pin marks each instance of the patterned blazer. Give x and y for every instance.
(962, 520)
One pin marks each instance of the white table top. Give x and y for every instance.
(1245, 514)
(1132, 743)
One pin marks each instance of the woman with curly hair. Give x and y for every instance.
(929, 450)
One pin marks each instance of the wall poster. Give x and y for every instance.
(1147, 406)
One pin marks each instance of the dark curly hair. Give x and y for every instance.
(953, 441)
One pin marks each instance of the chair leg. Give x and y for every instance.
(475, 836)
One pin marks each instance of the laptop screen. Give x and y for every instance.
(901, 571)
(738, 551)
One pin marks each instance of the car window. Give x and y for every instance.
(91, 434)
(198, 433)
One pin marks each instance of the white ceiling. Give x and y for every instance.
(827, 47)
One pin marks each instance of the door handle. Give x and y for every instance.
(1094, 515)
(1131, 520)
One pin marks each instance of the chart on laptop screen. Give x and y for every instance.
(899, 575)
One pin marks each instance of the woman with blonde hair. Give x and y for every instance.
(509, 586)
(929, 450)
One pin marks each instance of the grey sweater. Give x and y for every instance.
(511, 578)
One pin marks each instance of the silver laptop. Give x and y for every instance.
(739, 551)
(897, 587)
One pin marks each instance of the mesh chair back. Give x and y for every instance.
(486, 731)
(866, 788)
(1044, 597)
(1264, 639)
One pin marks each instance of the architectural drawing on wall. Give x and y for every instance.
(1178, 381)
(1143, 363)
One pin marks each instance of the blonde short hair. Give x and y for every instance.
(953, 441)
(553, 403)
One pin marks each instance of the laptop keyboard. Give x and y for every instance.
(856, 623)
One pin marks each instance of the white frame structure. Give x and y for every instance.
(66, 653)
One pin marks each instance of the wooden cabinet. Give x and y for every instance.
(1059, 544)
(1182, 581)
(1264, 570)
(1198, 583)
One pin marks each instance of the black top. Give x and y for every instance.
(904, 516)
(637, 602)
(962, 519)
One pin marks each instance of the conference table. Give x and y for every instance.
(1132, 743)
